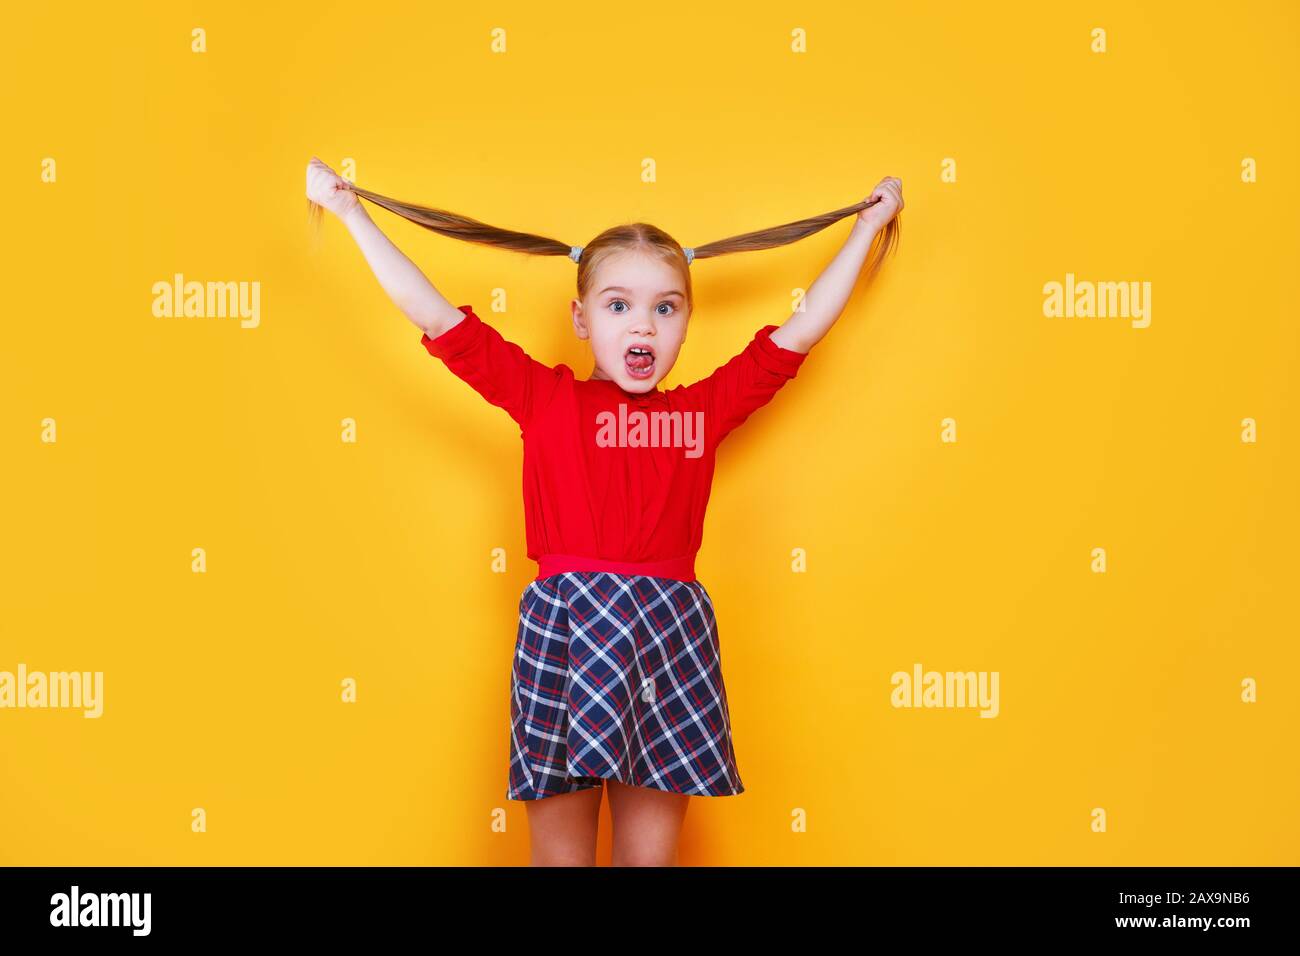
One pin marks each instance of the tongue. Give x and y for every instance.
(639, 362)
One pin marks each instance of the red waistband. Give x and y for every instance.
(680, 569)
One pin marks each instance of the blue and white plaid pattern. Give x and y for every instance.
(618, 676)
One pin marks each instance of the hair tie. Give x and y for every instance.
(690, 254)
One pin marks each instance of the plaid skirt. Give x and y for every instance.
(618, 676)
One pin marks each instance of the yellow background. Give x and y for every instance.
(327, 560)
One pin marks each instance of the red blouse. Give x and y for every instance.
(613, 480)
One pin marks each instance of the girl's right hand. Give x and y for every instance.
(327, 188)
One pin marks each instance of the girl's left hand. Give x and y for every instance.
(890, 191)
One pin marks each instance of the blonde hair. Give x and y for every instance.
(634, 235)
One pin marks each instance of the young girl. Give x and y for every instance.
(617, 675)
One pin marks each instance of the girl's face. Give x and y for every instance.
(635, 316)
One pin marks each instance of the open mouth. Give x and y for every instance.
(640, 361)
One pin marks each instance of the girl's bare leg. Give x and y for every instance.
(647, 823)
(563, 828)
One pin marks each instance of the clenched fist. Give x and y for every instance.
(326, 188)
(890, 193)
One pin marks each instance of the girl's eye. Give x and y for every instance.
(616, 302)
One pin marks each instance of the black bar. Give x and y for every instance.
(334, 905)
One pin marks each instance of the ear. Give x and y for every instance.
(579, 321)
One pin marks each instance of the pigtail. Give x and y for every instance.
(885, 243)
(463, 227)
(315, 213)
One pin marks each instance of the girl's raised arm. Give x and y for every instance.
(827, 296)
(408, 287)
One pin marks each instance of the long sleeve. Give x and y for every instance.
(499, 370)
(746, 382)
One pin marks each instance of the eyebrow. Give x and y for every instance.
(619, 288)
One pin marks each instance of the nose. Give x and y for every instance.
(644, 324)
